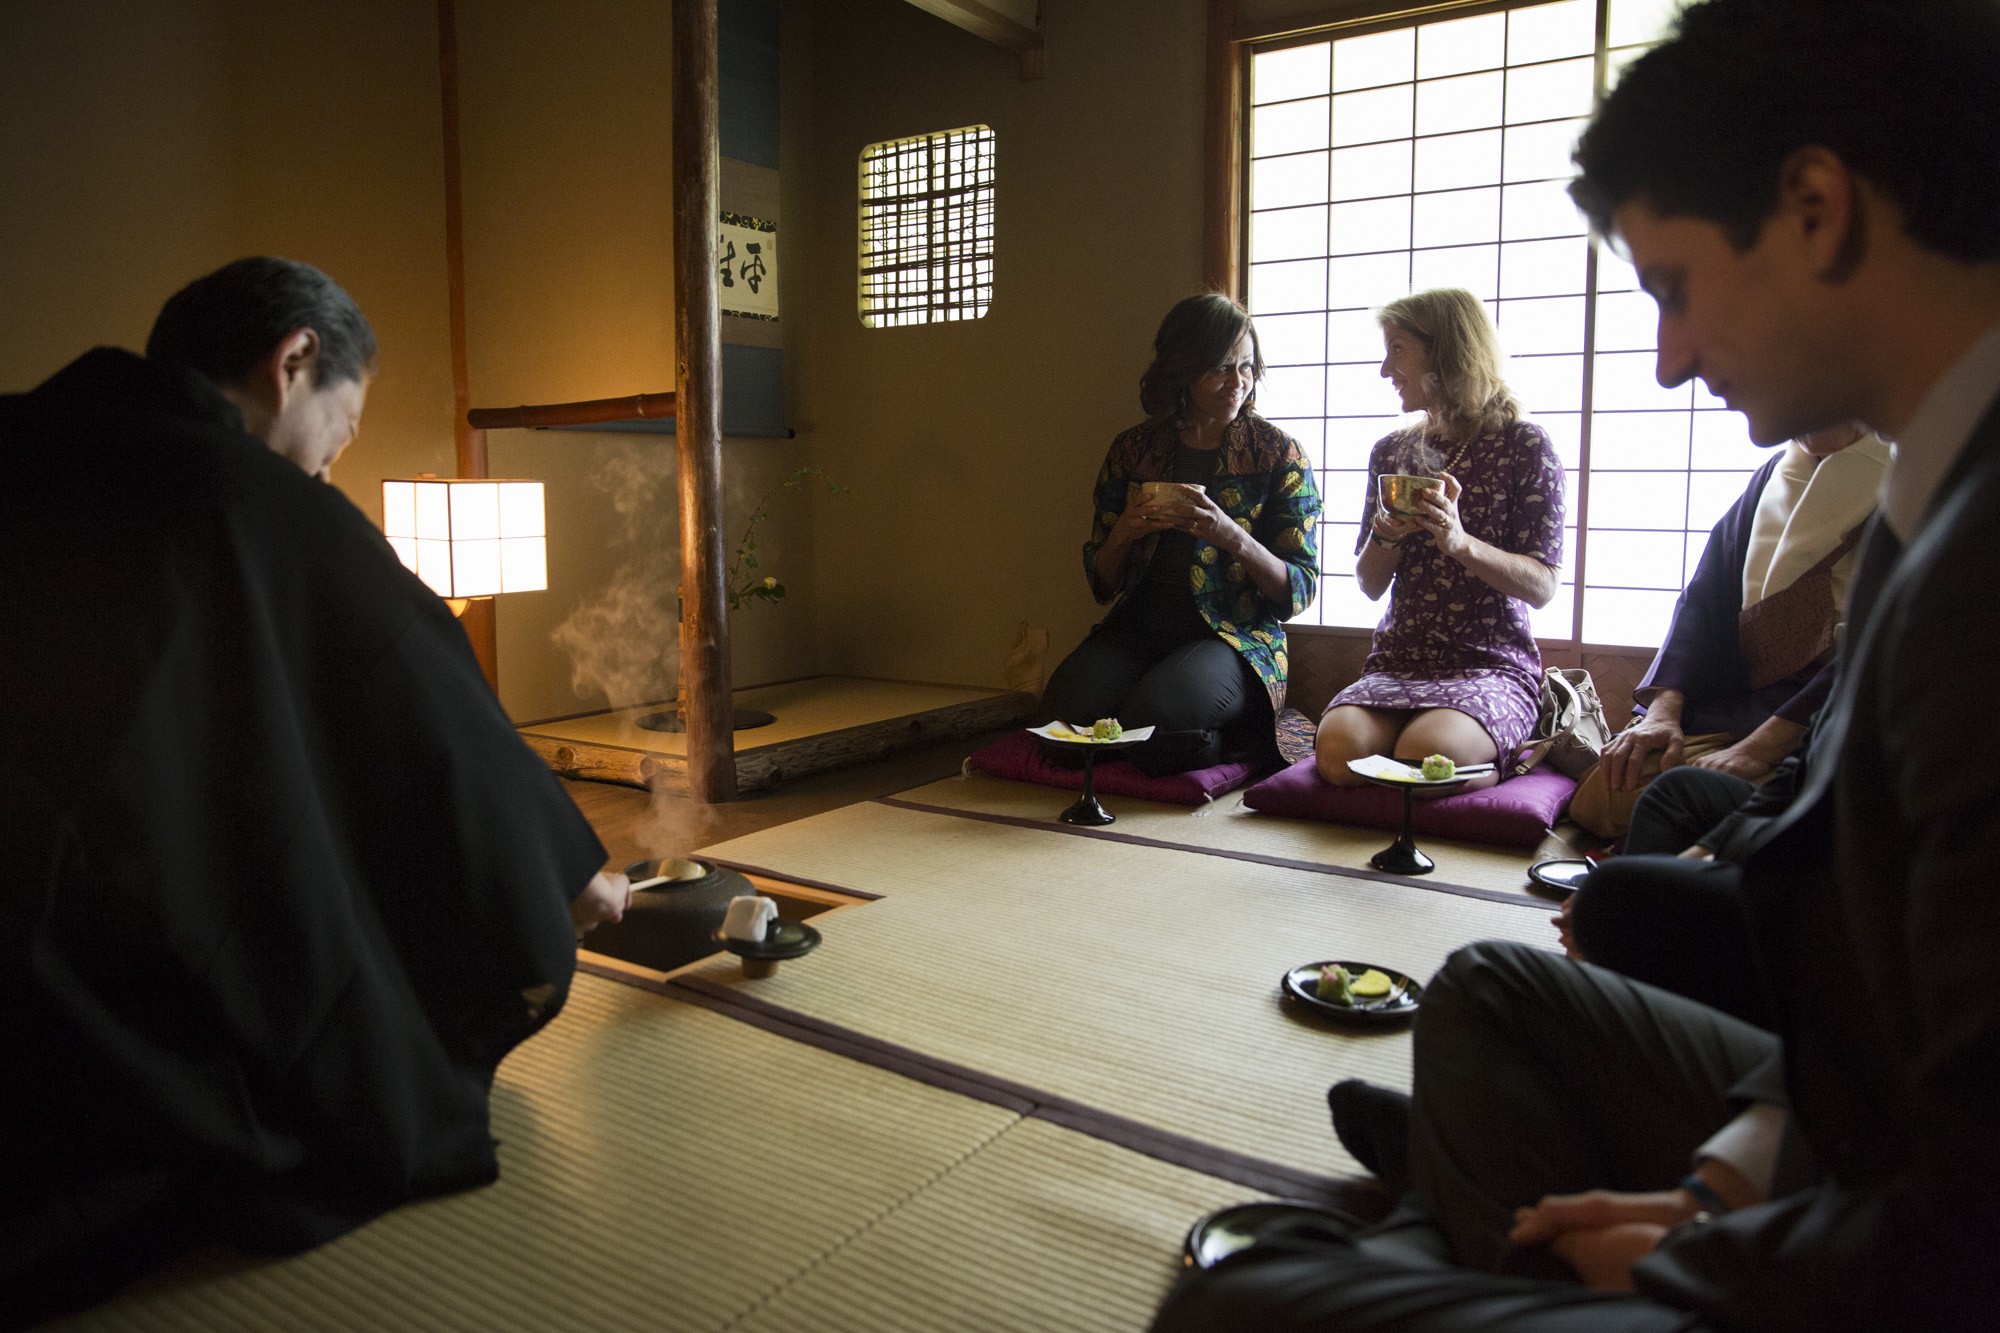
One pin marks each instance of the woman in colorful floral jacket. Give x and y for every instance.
(1205, 526)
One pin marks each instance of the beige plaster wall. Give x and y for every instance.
(566, 115)
(145, 143)
(971, 447)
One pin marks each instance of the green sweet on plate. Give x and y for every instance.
(1437, 768)
(1106, 729)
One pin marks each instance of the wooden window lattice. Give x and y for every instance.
(927, 228)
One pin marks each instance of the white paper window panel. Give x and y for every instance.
(1299, 71)
(1551, 92)
(1567, 566)
(1370, 170)
(1710, 494)
(1473, 267)
(1358, 389)
(1565, 431)
(1460, 217)
(1543, 268)
(1290, 233)
(1628, 381)
(1372, 116)
(1468, 102)
(1614, 272)
(1288, 127)
(1542, 152)
(1548, 383)
(1459, 46)
(475, 512)
(1369, 226)
(1626, 321)
(1337, 545)
(1369, 62)
(1366, 281)
(1353, 335)
(1638, 441)
(1624, 559)
(1550, 32)
(1292, 340)
(1531, 212)
(1292, 391)
(1341, 603)
(1554, 620)
(1542, 324)
(1640, 20)
(1572, 488)
(1457, 161)
(1626, 617)
(1349, 439)
(1278, 287)
(1722, 443)
(1646, 500)
(406, 551)
(1344, 492)
(1280, 182)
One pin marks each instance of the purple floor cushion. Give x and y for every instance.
(1023, 758)
(1518, 812)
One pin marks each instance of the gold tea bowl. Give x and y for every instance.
(1400, 491)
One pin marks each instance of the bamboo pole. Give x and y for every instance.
(698, 405)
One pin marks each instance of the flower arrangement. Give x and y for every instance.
(744, 586)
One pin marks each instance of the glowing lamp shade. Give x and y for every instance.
(468, 538)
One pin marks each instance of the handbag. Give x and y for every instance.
(1570, 730)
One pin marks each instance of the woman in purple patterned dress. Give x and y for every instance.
(1454, 669)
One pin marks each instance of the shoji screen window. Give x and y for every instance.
(927, 228)
(1437, 153)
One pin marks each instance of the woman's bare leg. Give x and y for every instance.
(1456, 736)
(1351, 732)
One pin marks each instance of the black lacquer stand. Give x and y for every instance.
(1401, 857)
(1087, 811)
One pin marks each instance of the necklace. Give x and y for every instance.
(1457, 457)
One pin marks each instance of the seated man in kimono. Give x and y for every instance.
(282, 885)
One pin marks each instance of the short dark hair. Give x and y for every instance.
(223, 324)
(1901, 90)
(1194, 339)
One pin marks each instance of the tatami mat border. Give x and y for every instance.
(1226, 853)
(1161, 1145)
(790, 877)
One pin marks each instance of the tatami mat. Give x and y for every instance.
(1228, 826)
(662, 1168)
(1042, 1229)
(1138, 981)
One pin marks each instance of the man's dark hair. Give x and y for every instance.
(223, 324)
(1903, 91)
(1194, 339)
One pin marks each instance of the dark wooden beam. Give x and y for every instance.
(698, 405)
(1222, 230)
(984, 21)
(469, 444)
(637, 407)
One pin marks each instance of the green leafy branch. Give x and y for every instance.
(744, 585)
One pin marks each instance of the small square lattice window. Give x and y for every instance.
(927, 228)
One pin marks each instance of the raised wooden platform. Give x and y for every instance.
(822, 722)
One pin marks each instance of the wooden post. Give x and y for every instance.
(1222, 132)
(469, 444)
(698, 405)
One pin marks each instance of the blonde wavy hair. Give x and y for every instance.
(1472, 399)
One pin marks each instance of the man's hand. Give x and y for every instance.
(1564, 931)
(1601, 1233)
(604, 899)
(1657, 733)
(1735, 761)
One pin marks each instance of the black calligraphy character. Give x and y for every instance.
(753, 269)
(726, 259)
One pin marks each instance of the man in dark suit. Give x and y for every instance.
(1808, 189)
